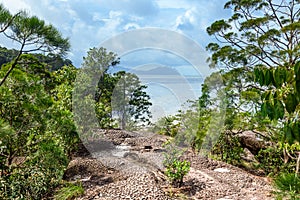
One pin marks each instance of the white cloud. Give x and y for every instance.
(110, 27)
(170, 4)
(187, 20)
(134, 7)
(16, 5)
(97, 17)
(131, 26)
(114, 14)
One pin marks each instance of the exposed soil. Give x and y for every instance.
(128, 165)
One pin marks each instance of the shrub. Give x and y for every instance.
(41, 173)
(175, 168)
(271, 161)
(167, 126)
(176, 171)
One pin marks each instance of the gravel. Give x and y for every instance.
(138, 173)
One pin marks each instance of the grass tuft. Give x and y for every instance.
(69, 191)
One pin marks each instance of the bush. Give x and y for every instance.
(175, 168)
(271, 161)
(38, 129)
(229, 149)
(176, 171)
(40, 174)
(288, 185)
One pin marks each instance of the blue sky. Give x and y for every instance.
(90, 23)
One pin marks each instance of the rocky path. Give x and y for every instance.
(126, 165)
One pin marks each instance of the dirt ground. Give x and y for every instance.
(128, 165)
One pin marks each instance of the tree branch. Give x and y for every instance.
(13, 65)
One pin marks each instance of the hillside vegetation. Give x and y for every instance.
(249, 119)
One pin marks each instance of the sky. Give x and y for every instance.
(178, 38)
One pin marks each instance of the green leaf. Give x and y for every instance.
(261, 78)
(267, 109)
(269, 96)
(270, 110)
(279, 76)
(288, 134)
(256, 74)
(279, 110)
(290, 103)
(264, 109)
(220, 25)
(268, 77)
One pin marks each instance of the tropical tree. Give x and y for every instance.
(258, 49)
(94, 86)
(129, 101)
(97, 63)
(32, 34)
(63, 81)
(63, 84)
(260, 34)
(37, 131)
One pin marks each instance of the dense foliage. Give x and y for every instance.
(288, 186)
(257, 89)
(37, 132)
(53, 61)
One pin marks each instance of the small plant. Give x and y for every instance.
(176, 171)
(69, 191)
(288, 185)
(175, 168)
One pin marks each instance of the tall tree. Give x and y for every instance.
(97, 62)
(95, 86)
(260, 41)
(33, 34)
(129, 101)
